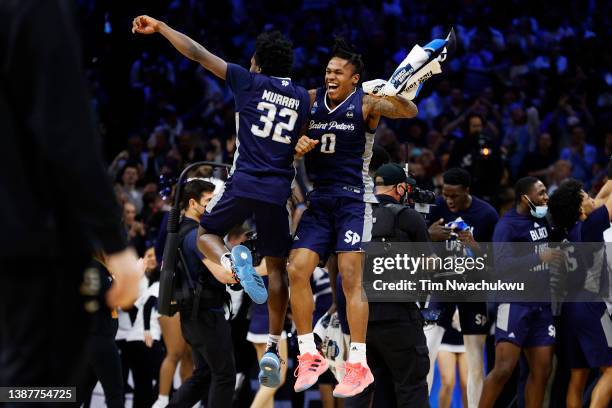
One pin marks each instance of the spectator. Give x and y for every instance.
(582, 156)
(476, 153)
(561, 171)
(538, 163)
(134, 229)
(130, 175)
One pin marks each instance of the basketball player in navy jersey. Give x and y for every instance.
(524, 326)
(457, 202)
(586, 324)
(271, 112)
(338, 219)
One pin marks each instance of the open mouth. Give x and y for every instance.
(332, 86)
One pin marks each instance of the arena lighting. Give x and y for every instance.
(171, 246)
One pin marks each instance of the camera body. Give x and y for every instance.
(251, 244)
(419, 195)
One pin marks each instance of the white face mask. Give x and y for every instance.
(538, 211)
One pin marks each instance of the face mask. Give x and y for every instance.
(538, 211)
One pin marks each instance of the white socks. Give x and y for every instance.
(273, 341)
(226, 261)
(307, 344)
(357, 353)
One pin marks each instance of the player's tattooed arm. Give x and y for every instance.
(185, 45)
(392, 107)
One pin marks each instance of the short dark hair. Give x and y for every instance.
(468, 118)
(274, 54)
(130, 163)
(194, 189)
(522, 187)
(149, 198)
(342, 49)
(456, 176)
(564, 204)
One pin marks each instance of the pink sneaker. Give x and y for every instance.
(356, 379)
(310, 367)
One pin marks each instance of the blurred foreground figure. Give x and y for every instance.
(57, 204)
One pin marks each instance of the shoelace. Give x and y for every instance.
(305, 365)
(352, 374)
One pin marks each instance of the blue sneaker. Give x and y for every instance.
(270, 369)
(252, 283)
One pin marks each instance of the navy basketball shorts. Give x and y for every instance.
(587, 334)
(525, 325)
(334, 224)
(472, 316)
(227, 210)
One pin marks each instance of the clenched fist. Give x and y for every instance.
(304, 145)
(145, 25)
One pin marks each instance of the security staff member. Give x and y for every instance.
(396, 345)
(203, 325)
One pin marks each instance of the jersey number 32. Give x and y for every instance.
(269, 117)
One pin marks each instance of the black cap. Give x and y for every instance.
(390, 174)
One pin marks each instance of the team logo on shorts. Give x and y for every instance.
(551, 331)
(351, 237)
(480, 319)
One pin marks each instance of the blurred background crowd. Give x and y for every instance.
(529, 91)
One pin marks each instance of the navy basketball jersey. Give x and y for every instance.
(270, 113)
(588, 266)
(340, 162)
(522, 260)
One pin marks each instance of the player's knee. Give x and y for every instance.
(542, 372)
(350, 272)
(174, 355)
(502, 372)
(297, 274)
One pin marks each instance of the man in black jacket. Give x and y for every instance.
(396, 345)
(203, 323)
(57, 203)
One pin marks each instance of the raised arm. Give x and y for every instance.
(392, 107)
(185, 45)
(606, 190)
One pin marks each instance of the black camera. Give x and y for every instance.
(251, 244)
(420, 195)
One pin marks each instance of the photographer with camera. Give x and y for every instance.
(200, 294)
(462, 220)
(396, 346)
(477, 153)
